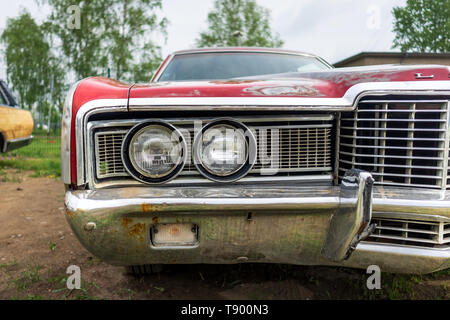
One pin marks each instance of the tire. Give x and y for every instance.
(145, 269)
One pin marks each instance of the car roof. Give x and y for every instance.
(250, 49)
(241, 49)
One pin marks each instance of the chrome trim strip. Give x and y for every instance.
(204, 199)
(66, 132)
(404, 101)
(421, 76)
(318, 179)
(446, 151)
(248, 49)
(18, 140)
(428, 205)
(179, 121)
(157, 76)
(88, 109)
(337, 149)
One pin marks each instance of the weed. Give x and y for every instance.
(127, 292)
(8, 264)
(61, 279)
(28, 277)
(393, 287)
(36, 297)
(52, 246)
(84, 294)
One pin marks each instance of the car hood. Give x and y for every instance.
(332, 89)
(332, 83)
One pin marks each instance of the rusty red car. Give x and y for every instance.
(234, 155)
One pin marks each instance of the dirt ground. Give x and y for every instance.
(37, 246)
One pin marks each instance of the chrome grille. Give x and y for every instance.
(411, 232)
(301, 149)
(108, 156)
(399, 142)
(304, 146)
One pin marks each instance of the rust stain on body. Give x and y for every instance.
(147, 207)
(126, 222)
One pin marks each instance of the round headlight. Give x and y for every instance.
(154, 152)
(224, 150)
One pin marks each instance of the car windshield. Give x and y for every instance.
(228, 65)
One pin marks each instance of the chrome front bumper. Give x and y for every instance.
(314, 225)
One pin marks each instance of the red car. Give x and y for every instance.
(232, 155)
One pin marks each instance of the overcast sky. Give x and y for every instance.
(331, 29)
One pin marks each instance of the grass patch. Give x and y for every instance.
(42, 156)
(28, 277)
(40, 147)
(41, 167)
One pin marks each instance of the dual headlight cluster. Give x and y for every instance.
(155, 152)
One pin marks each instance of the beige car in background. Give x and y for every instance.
(16, 125)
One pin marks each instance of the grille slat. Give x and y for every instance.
(401, 143)
(304, 147)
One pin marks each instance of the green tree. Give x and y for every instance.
(423, 25)
(81, 46)
(239, 22)
(32, 69)
(132, 53)
(112, 33)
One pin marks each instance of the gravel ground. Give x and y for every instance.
(37, 246)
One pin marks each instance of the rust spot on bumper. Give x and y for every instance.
(137, 231)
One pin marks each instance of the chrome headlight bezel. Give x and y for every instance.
(250, 145)
(131, 166)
